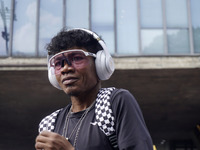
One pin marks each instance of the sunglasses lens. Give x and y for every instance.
(76, 59)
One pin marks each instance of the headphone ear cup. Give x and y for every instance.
(52, 78)
(104, 65)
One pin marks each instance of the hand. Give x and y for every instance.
(52, 141)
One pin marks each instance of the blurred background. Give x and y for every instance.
(155, 45)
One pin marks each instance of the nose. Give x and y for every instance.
(66, 67)
(64, 61)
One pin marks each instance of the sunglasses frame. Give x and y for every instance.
(68, 51)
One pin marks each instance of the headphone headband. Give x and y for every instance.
(95, 36)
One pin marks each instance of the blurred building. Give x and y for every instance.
(156, 49)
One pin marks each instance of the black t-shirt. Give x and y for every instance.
(132, 133)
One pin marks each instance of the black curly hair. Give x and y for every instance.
(67, 39)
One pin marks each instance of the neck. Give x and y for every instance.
(84, 100)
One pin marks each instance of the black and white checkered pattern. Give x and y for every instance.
(103, 111)
(104, 117)
(48, 123)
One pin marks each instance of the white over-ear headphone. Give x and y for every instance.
(104, 62)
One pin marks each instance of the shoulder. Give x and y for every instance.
(130, 125)
(122, 96)
(122, 101)
(47, 123)
(120, 91)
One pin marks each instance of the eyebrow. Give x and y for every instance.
(58, 57)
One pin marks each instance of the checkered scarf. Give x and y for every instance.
(103, 111)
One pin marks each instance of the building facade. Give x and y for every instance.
(155, 45)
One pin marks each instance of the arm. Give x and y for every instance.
(131, 130)
(52, 141)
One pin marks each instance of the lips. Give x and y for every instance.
(69, 80)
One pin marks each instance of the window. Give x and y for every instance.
(102, 21)
(174, 18)
(152, 41)
(24, 32)
(127, 29)
(131, 27)
(178, 41)
(77, 13)
(4, 27)
(177, 27)
(164, 30)
(151, 13)
(195, 11)
(152, 36)
(50, 22)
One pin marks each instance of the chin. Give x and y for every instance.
(71, 91)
